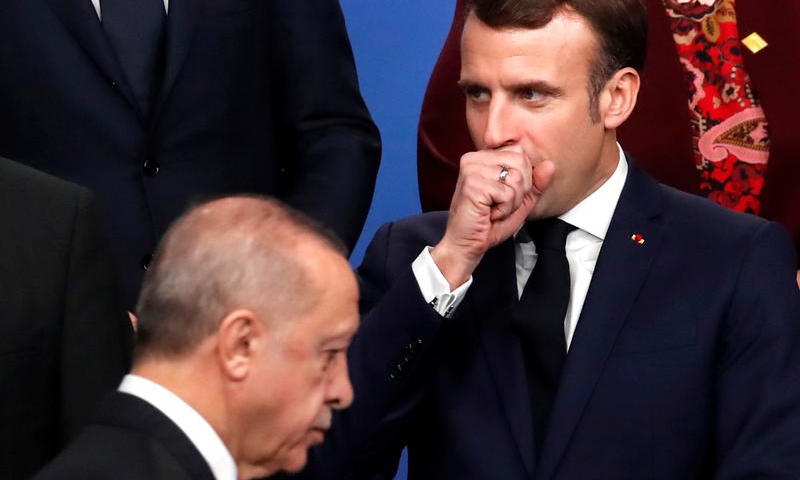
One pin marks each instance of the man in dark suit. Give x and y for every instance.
(151, 108)
(243, 324)
(64, 338)
(659, 133)
(616, 344)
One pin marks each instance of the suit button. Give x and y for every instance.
(151, 168)
(146, 261)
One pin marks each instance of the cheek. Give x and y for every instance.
(294, 395)
(284, 426)
(573, 136)
(308, 397)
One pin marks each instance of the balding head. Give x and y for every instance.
(236, 252)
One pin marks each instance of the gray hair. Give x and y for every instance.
(235, 252)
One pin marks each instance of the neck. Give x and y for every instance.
(194, 381)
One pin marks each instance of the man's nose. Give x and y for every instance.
(340, 391)
(500, 130)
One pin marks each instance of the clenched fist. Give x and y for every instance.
(487, 209)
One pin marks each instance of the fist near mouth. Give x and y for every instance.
(486, 210)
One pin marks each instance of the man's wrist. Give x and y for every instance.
(455, 265)
(434, 287)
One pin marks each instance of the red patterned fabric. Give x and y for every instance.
(730, 131)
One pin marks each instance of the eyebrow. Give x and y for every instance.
(469, 85)
(537, 86)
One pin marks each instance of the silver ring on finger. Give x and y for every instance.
(503, 173)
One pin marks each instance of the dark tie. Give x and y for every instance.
(538, 318)
(136, 29)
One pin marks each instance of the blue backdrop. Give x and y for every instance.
(395, 45)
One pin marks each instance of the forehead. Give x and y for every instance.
(562, 49)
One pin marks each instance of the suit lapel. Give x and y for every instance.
(82, 22)
(132, 413)
(491, 297)
(181, 22)
(620, 272)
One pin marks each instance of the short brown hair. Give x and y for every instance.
(221, 255)
(621, 27)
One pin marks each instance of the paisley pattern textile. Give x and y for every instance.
(730, 130)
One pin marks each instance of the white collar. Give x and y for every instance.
(201, 434)
(593, 214)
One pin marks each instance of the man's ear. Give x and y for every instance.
(238, 334)
(620, 97)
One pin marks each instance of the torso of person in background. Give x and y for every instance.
(224, 96)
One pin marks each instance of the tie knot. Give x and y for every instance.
(549, 234)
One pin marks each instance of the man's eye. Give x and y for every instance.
(530, 95)
(476, 94)
(330, 356)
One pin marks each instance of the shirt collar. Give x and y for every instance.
(200, 433)
(593, 214)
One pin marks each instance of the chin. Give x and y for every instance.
(296, 461)
(295, 466)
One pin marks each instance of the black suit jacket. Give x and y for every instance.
(259, 96)
(64, 339)
(129, 439)
(685, 363)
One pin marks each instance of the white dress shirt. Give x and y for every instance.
(200, 433)
(97, 8)
(591, 216)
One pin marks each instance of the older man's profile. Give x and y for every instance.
(244, 320)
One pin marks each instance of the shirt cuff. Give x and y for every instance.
(434, 287)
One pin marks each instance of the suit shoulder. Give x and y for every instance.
(101, 450)
(423, 229)
(396, 244)
(97, 453)
(721, 236)
(22, 185)
(707, 217)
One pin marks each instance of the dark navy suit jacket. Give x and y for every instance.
(685, 363)
(259, 96)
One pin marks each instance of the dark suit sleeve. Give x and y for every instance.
(96, 336)
(757, 384)
(333, 147)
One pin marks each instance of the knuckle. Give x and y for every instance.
(467, 158)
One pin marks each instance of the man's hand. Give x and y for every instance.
(798, 279)
(485, 211)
